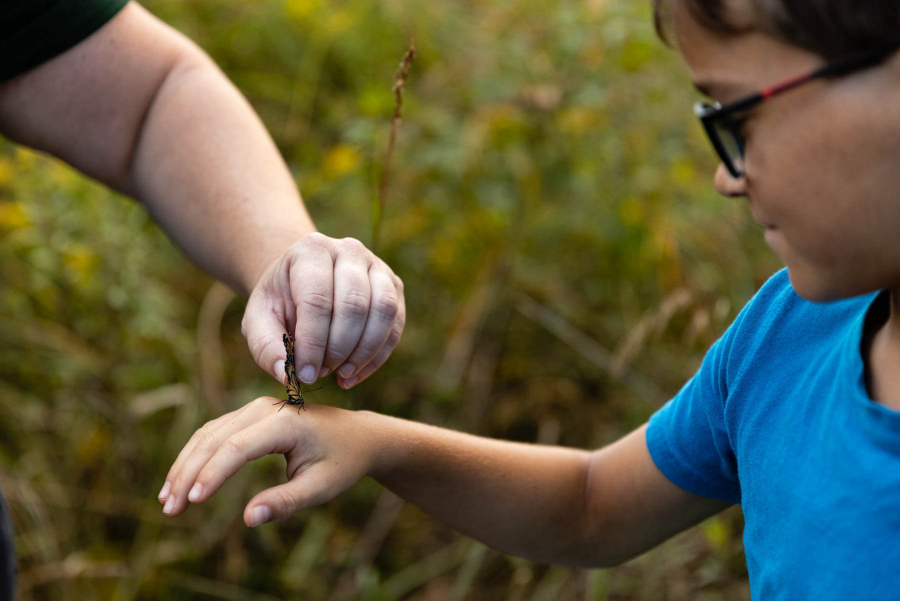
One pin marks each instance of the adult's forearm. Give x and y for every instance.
(523, 499)
(211, 176)
(141, 108)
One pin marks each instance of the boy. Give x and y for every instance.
(793, 412)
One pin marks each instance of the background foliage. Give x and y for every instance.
(566, 262)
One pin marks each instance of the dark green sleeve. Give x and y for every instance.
(34, 31)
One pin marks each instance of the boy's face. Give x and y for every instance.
(822, 161)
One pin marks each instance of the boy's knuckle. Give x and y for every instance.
(287, 501)
(202, 432)
(179, 484)
(235, 444)
(261, 402)
(207, 442)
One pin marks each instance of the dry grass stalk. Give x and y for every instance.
(589, 348)
(399, 84)
(368, 545)
(211, 359)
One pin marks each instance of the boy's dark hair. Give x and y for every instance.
(829, 28)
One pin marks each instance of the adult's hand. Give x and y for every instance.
(344, 306)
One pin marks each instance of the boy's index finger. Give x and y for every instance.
(192, 441)
(267, 437)
(203, 444)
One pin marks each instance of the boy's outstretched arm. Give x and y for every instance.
(549, 504)
(141, 108)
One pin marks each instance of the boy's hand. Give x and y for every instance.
(344, 306)
(326, 448)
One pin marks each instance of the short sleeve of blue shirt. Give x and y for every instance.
(747, 379)
(688, 438)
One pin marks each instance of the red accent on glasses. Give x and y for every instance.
(786, 85)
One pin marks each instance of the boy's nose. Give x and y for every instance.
(728, 185)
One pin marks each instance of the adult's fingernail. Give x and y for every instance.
(324, 372)
(350, 382)
(346, 370)
(195, 493)
(279, 370)
(170, 505)
(308, 374)
(164, 492)
(259, 515)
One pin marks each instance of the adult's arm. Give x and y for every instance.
(141, 108)
(549, 504)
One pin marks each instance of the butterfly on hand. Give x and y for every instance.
(293, 386)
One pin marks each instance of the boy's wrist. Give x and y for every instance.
(383, 442)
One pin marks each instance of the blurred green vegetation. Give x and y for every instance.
(566, 262)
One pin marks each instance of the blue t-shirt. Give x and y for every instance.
(778, 419)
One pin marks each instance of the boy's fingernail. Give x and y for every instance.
(195, 493)
(324, 372)
(279, 370)
(346, 370)
(350, 382)
(164, 492)
(170, 505)
(259, 515)
(308, 374)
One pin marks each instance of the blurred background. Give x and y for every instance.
(566, 260)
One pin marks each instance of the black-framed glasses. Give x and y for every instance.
(723, 123)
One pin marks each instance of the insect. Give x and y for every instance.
(293, 386)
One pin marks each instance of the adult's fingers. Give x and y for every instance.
(382, 355)
(312, 288)
(264, 331)
(269, 314)
(352, 295)
(389, 346)
(387, 308)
